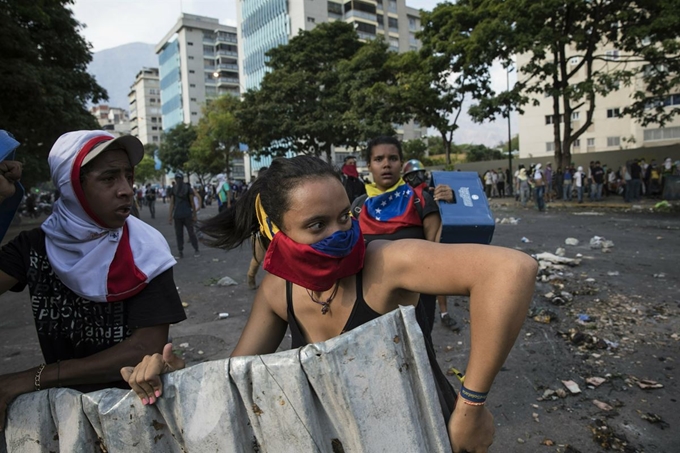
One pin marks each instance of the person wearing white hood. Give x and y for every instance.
(578, 183)
(101, 283)
(539, 181)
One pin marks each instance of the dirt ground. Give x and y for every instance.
(618, 322)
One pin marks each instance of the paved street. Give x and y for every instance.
(627, 335)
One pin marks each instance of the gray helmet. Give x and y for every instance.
(411, 166)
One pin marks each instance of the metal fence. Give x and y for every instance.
(369, 390)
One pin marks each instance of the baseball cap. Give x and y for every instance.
(131, 145)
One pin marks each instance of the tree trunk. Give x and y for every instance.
(447, 147)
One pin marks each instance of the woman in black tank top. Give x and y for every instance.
(321, 281)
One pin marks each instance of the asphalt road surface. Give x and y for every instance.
(621, 325)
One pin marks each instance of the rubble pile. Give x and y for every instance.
(602, 326)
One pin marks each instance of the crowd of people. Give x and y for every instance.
(631, 181)
(103, 292)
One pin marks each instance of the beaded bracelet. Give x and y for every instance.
(470, 396)
(473, 404)
(37, 377)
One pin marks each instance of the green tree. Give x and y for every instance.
(145, 171)
(44, 83)
(414, 149)
(478, 153)
(323, 89)
(435, 83)
(514, 144)
(216, 142)
(577, 51)
(175, 146)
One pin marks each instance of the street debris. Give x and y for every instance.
(572, 387)
(184, 345)
(560, 252)
(508, 220)
(525, 239)
(548, 442)
(646, 384)
(606, 438)
(595, 381)
(597, 242)
(226, 281)
(535, 417)
(602, 406)
(571, 241)
(223, 315)
(185, 305)
(653, 418)
(555, 259)
(613, 273)
(588, 213)
(661, 275)
(542, 315)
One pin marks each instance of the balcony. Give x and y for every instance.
(208, 41)
(361, 14)
(226, 53)
(227, 80)
(228, 67)
(225, 39)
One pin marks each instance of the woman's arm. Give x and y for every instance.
(500, 283)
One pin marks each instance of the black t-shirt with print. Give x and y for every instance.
(70, 327)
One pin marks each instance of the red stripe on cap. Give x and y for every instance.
(125, 279)
(75, 175)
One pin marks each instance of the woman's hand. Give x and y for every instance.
(471, 428)
(145, 379)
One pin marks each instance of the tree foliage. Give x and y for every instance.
(436, 82)
(217, 138)
(577, 51)
(323, 90)
(415, 149)
(175, 145)
(478, 153)
(145, 171)
(44, 83)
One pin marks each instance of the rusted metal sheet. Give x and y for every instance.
(369, 390)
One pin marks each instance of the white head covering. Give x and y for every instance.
(538, 166)
(96, 262)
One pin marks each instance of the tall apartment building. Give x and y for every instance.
(609, 131)
(112, 119)
(264, 24)
(198, 60)
(145, 106)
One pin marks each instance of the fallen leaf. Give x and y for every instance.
(595, 381)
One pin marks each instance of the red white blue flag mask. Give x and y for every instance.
(317, 266)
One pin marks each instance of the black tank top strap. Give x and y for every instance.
(361, 312)
(297, 339)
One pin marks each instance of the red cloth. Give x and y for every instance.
(350, 170)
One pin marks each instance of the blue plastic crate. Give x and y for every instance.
(468, 219)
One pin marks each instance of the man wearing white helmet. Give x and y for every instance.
(101, 283)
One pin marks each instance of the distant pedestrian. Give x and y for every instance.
(548, 181)
(183, 213)
(151, 200)
(353, 185)
(579, 180)
(539, 183)
(598, 181)
(523, 186)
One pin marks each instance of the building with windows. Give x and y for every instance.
(609, 131)
(145, 107)
(112, 119)
(265, 24)
(198, 61)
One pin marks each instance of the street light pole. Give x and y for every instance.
(510, 181)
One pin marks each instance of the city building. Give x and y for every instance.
(112, 119)
(609, 131)
(145, 107)
(265, 24)
(198, 61)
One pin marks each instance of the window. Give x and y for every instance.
(193, 99)
(154, 128)
(190, 43)
(152, 100)
(613, 113)
(154, 138)
(612, 55)
(194, 113)
(154, 119)
(591, 142)
(575, 116)
(613, 141)
(190, 57)
(665, 133)
(393, 23)
(574, 61)
(311, 19)
(550, 119)
(577, 143)
(192, 85)
(191, 71)
(549, 147)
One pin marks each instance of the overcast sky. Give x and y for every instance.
(110, 23)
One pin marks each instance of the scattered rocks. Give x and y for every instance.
(597, 242)
(571, 241)
(572, 387)
(226, 281)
